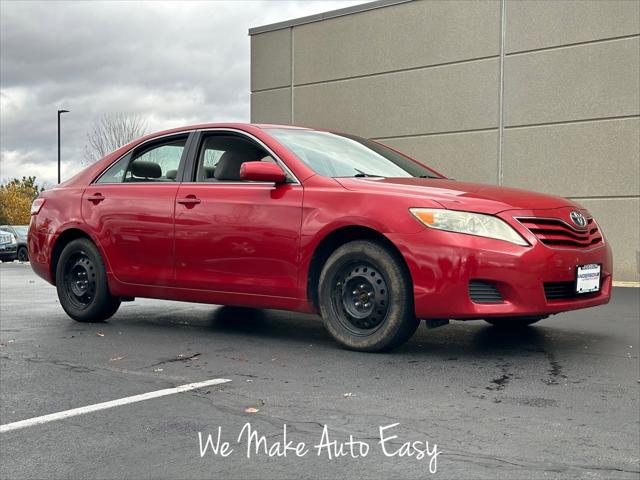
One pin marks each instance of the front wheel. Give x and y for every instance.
(366, 298)
(23, 254)
(81, 280)
(512, 322)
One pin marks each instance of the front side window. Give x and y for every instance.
(158, 162)
(221, 156)
(334, 155)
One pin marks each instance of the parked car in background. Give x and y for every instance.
(20, 234)
(291, 218)
(8, 246)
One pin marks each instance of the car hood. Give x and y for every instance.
(456, 195)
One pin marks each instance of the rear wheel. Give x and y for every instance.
(366, 299)
(23, 254)
(512, 322)
(81, 281)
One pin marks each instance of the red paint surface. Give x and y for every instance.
(252, 244)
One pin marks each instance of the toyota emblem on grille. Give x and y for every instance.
(578, 219)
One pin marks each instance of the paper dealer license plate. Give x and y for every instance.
(588, 278)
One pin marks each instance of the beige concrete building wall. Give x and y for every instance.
(543, 95)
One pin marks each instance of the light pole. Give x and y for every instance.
(60, 112)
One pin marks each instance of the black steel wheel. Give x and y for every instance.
(81, 282)
(366, 298)
(360, 299)
(23, 254)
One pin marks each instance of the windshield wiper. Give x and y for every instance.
(363, 174)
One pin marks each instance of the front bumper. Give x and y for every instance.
(8, 252)
(443, 263)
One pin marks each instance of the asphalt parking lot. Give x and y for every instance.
(558, 400)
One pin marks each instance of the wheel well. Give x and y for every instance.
(61, 242)
(336, 239)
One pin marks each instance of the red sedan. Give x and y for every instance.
(290, 218)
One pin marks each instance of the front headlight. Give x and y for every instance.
(13, 239)
(469, 223)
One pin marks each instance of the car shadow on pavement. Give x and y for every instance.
(273, 324)
(489, 339)
(474, 339)
(459, 339)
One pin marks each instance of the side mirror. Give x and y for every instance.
(262, 172)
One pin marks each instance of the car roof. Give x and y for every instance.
(202, 126)
(277, 125)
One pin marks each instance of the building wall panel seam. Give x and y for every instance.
(604, 197)
(270, 89)
(568, 122)
(574, 44)
(431, 134)
(401, 70)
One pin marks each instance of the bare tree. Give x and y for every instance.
(110, 132)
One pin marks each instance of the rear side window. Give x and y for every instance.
(115, 173)
(158, 162)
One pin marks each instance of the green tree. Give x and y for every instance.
(16, 197)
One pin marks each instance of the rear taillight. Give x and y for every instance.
(36, 206)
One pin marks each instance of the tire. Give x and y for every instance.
(366, 297)
(81, 280)
(23, 254)
(513, 322)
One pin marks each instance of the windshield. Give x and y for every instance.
(340, 155)
(19, 230)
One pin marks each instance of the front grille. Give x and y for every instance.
(556, 233)
(482, 291)
(564, 291)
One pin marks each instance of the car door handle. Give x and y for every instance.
(189, 200)
(95, 198)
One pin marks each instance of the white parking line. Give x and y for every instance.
(30, 422)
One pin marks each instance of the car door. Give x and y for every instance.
(233, 235)
(130, 210)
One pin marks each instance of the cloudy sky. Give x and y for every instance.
(172, 63)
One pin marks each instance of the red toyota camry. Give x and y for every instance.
(290, 218)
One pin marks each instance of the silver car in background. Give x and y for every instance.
(8, 246)
(20, 234)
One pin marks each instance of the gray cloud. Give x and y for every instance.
(173, 63)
